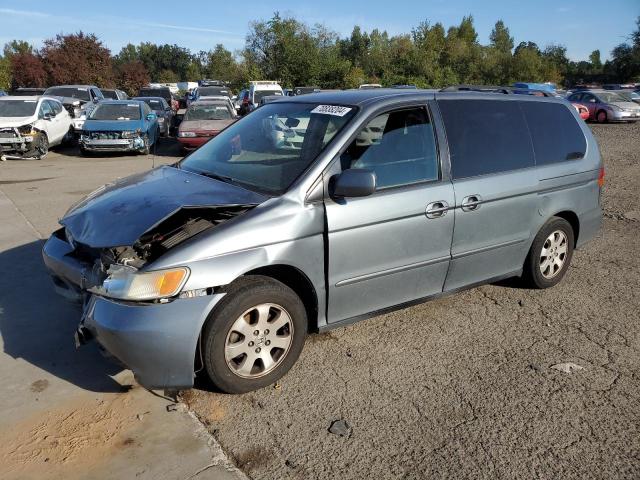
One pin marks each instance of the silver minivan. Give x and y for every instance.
(226, 260)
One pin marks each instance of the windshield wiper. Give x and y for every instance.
(215, 176)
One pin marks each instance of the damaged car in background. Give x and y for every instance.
(78, 100)
(120, 126)
(30, 125)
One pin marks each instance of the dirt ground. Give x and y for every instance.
(464, 387)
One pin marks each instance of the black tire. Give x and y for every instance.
(532, 271)
(242, 295)
(40, 147)
(600, 118)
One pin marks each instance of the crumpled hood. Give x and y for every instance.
(15, 121)
(111, 125)
(118, 213)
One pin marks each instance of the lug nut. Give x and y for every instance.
(266, 332)
(251, 344)
(256, 332)
(268, 342)
(258, 350)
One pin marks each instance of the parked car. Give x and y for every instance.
(305, 90)
(3, 93)
(270, 98)
(224, 261)
(204, 120)
(120, 126)
(607, 106)
(249, 98)
(27, 92)
(164, 92)
(114, 94)
(30, 125)
(166, 116)
(79, 100)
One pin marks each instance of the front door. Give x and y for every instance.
(385, 249)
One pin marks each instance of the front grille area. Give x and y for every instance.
(105, 135)
(7, 133)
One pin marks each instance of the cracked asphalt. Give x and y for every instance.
(462, 387)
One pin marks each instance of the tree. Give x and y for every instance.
(17, 46)
(596, 62)
(5, 73)
(77, 58)
(27, 70)
(501, 39)
(132, 76)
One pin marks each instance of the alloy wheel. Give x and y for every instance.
(553, 254)
(259, 340)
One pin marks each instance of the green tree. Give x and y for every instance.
(5, 73)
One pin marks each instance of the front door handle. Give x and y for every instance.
(437, 209)
(471, 203)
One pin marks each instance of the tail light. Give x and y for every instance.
(601, 177)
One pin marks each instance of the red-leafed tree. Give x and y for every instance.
(132, 76)
(77, 58)
(27, 70)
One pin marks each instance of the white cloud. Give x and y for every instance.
(24, 13)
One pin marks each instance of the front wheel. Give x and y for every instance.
(254, 336)
(550, 254)
(601, 116)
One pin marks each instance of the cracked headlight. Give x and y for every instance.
(127, 283)
(130, 133)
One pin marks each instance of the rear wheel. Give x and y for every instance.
(254, 336)
(601, 116)
(550, 254)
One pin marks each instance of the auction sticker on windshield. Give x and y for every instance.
(336, 110)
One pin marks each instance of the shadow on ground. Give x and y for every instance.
(37, 325)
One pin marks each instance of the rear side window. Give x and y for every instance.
(486, 136)
(555, 132)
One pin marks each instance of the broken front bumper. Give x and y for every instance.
(113, 145)
(16, 143)
(157, 341)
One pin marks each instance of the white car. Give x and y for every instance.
(30, 125)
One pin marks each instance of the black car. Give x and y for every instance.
(166, 116)
(162, 92)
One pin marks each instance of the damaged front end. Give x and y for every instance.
(79, 270)
(20, 142)
(113, 141)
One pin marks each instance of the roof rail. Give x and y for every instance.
(477, 88)
(263, 82)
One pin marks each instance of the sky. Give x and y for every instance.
(581, 26)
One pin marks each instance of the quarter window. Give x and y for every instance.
(399, 147)
(555, 132)
(486, 136)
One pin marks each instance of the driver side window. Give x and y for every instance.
(399, 147)
(45, 109)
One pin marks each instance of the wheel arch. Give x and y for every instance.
(573, 219)
(296, 280)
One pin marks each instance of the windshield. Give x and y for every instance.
(207, 112)
(611, 97)
(110, 94)
(211, 91)
(156, 92)
(116, 111)
(17, 108)
(271, 147)
(72, 92)
(258, 94)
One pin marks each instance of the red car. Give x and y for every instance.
(203, 120)
(582, 110)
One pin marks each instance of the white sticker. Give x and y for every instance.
(336, 110)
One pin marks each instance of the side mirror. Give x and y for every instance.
(355, 182)
(151, 117)
(47, 116)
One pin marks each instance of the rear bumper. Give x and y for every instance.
(590, 224)
(158, 342)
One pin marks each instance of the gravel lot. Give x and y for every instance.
(461, 387)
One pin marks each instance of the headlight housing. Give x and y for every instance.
(130, 133)
(127, 283)
(186, 134)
